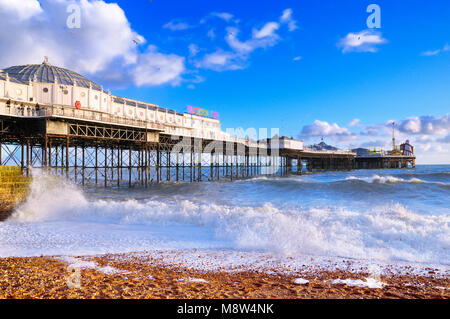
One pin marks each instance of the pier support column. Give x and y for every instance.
(130, 167)
(83, 164)
(106, 166)
(67, 156)
(200, 166)
(96, 164)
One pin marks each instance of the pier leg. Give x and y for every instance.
(129, 167)
(67, 156)
(83, 164)
(96, 164)
(200, 166)
(191, 166)
(106, 166)
(158, 167)
(76, 164)
(119, 164)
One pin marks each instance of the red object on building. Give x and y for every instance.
(78, 105)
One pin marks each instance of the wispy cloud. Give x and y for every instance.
(220, 61)
(223, 15)
(354, 122)
(297, 58)
(363, 41)
(237, 55)
(175, 25)
(193, 49)
(436, 52)
(286, 18)
(265, 37)
(268, 30)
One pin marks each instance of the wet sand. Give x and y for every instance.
(128, 276)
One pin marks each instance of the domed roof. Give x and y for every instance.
(46, 73)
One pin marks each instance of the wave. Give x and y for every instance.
(383, 232)
(391, 179)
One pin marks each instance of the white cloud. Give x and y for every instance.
(223, 15)
(325, 129)
(286, 17)
(239, 51)
(428, 125)
(235, 44)
(261, 39)
(154, 68)
(363, 41)
(220, 61)
(297, 58)
(104, 46)
(23, 9)
(445, 139)
(79, 49)
(354, 122)
(431, 53)
(445, 48)
(268, 30)
(176, 25)
(193, 50)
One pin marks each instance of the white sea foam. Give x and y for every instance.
(301, 281)
(369, 282)
(391, 179)
(58, 219)
(85, 264)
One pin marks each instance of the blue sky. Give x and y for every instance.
(285, 64)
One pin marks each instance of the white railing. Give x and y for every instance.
(33, 110)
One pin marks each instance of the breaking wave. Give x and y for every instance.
(391, 179)
(59, 218)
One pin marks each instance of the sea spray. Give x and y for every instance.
(50, 196)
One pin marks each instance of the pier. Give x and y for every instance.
(91, 147)
(57, 120)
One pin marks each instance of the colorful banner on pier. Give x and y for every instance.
(202, 112)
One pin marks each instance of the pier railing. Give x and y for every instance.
(25, 109)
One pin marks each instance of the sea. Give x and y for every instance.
(373, 216)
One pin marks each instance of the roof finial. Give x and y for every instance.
(46, 60)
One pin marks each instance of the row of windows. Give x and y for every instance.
(65, 92)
